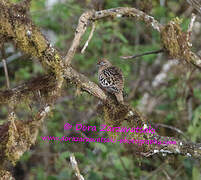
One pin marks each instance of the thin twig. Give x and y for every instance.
(166, 175)
(190, 28)
(90, 36)
(6, 73)
(75, 167)
(5, 66)
(171, 127)
(143, 54)
(11, 58)
(11, 113)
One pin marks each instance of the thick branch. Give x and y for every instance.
(18, 93)
(30, 40)
(129, 12)
(180, 147)
(16, 25)
(85, 84)
(14, 142)
(45, 82)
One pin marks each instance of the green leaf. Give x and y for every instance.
(101, 146)
(65, 155)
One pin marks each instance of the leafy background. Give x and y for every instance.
(174, 101)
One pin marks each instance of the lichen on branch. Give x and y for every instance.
(176, 43)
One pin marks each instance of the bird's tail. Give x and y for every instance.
(119, 97)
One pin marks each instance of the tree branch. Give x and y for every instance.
(175, 42)
(5, 66)
(190, 27)
(143, 54)
(18, 93)
(85, 84)
(75, 167)
(90, 36)
(96, 15)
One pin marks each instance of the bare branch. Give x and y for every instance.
(85, 83)
(90, 36)
(6, 73)
(171, 127)
(75, 167)
(96, 15)
(190, 28)
(81, 28)
(143, 54)
(129, 12)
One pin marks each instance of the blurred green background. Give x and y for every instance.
(164, 90)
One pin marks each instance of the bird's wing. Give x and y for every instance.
(112, 79)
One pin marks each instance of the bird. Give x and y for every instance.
(111, 78)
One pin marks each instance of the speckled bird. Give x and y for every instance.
(111, 79)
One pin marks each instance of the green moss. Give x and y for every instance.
(28, 37)
(175, 41)
(20, 140)
(116, 114)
